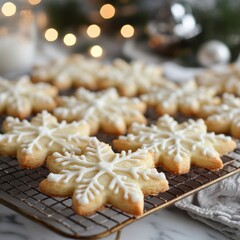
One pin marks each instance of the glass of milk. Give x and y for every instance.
(17, 39)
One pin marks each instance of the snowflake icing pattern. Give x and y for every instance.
(74, 70)
(42, 135)
(177, 142)
(18, 98)
(85, 173)
(224, 117)
(132, 78)
(188, 98)
(102, 109)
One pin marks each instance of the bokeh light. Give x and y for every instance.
(51, 34)
(93, 31)
(34, 2)
(107, 11)
(69, 39)
(96, 51)
(127, 31)
(9, 9)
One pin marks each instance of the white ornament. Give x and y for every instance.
(212, 53)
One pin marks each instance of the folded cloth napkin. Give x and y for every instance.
(217, 206)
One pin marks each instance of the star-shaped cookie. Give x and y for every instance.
(74, 70)
(99, 176)
(224, 81)
(32, 141)
(20, 98)
(131, 79)
(186, 99)
(102, 110)
(225, 117)
(177, 146)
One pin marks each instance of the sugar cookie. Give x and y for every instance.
(225, 117)
(74, 70)
(131, 79)
(32, 141)
(102, 110)
(186, 99)
(99, 176)
(224, 81)
(20, 98)
(177, 146)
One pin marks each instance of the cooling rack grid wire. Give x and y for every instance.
(19, 191)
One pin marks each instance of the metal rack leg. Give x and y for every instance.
(118, 235)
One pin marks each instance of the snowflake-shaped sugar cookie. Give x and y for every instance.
(187, 99)
(20, 98)
(227, 80)
(74, 70)
(177, 146)
(99, 176)
(132, 79)
(33, 141)
(102, 110)
(225, 117)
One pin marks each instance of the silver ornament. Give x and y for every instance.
(173, 22)
(213, 53)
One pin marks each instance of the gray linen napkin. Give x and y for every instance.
(217, 206)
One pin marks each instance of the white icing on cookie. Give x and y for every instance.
(124, 171)
(22, 94)
(137, 75)
(227, 111)
(176, 140)
(188, 96)
(224, 80)
(76, 69)
(101, 108)
(42, 132)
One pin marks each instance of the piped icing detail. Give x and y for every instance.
(188, 96)
(43, 132)
(224, 80)
(101, 108)
(228, 111)
(75, 70)
(22, 96)
(178, 141)
(123, 170)
(137, 76)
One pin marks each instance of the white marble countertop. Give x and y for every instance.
(165, 224)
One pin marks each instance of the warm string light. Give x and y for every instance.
(107, 11)
(51, 34)
(127, 31)
(93, 31)
(96, 51)
(9, 9)
(69, 39)
(34, 2)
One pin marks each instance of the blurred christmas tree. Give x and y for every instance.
(72, 14)
(219, 21)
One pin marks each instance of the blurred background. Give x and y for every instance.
(192, 33)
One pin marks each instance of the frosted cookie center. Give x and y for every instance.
(98, 103)
(18, 91)
(177, 136)
(105, 166)
(44, 131)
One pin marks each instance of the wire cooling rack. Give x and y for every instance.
(19, 191)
